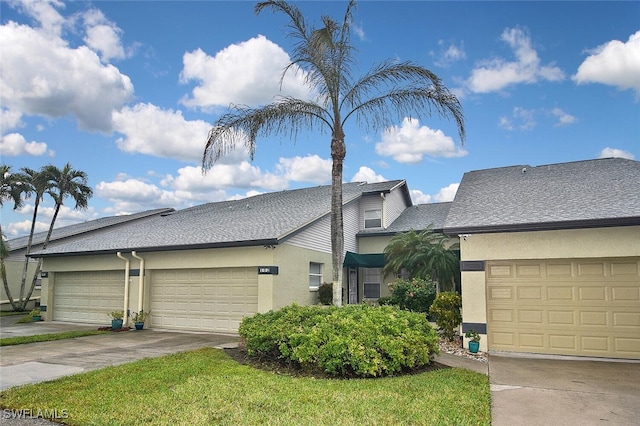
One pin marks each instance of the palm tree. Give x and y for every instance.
(389, 91)
(423, 254)
(38, 183)
(67, 182)
(11, 188)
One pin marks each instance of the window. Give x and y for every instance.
(372, 283)
(315, 275)
(373, 218)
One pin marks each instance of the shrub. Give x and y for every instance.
(415, 295)
(325, 293)
(446, 308)
(268, 335)
(355, 340)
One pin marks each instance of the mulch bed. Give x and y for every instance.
(455, 347)
(113, 329)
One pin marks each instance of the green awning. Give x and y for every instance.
(355, 260)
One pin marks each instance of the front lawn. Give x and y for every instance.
(21, 340)
(207, 387)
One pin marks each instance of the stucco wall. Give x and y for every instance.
(14, 278)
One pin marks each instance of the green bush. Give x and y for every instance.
(446, 308)
(325, 293)
(415, 295)
(355, 340)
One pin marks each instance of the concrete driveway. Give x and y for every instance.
(37, 362)
(561, 391)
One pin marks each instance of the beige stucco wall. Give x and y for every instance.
(561, 244)
(274, 291)
(14, 278)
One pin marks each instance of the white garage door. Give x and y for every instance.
(569, 307)
(203, 299)
(87, 296)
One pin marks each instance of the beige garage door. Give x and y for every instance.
(573, 307)
(87, 296)
(203, 299)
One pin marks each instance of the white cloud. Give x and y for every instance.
(564, 119)
(522, 119)
(496, 74)
(614, 152)
(15, 144)
(10, 119)
(150, 130)
(133, 195)
(311, 168)
(103, 36)
(246, 73)
(365, 174)
(447, 193)
(410, 142)
(45, 13)
(42, 75)
(449, 54)
(614, 63)
(418, 197)
(16, 229)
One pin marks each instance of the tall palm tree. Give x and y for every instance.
(39, 183)
(389, 91)
(423, 254)
(65, 182)
(11, 189)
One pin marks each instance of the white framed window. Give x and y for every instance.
(373, 218)
(315, 275)
(372, 283)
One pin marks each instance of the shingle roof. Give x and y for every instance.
(82, 228)
(417, 218)
(261, 219)
(603, 192)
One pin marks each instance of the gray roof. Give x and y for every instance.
(593, 193)
(77, 229)
(259, 220)
(417, 218)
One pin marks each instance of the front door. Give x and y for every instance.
(353, 286)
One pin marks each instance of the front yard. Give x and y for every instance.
(207, 387)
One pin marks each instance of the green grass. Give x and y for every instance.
(21, 340)
(9, 313)
(206, 387)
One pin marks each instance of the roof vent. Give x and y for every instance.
(524, 170)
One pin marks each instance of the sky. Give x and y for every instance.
(127, 92)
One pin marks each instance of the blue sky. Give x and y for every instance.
(127, 91)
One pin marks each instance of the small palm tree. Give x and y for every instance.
(11, 189)
(423, 254)
(65, 182)
(389, 91)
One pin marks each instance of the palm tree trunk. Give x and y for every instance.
(29, 242)
(3, 271)
(39, 265)
(338, 153)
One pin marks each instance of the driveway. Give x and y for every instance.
(561, 391)
(36, 362)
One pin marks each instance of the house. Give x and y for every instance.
(550, 257)
(14, 262)
(206, 267)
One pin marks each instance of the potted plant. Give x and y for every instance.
(36, 315)
(139, 318)
(116, 319)
(474, 340)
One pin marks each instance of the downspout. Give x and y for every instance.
(384, 210)
(126, 287)
(141, 280)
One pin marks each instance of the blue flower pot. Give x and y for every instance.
(116, 324)
(139, 325)
(473, 347)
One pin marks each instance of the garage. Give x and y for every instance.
(585, 307)
(203, 299)
(87, 296)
